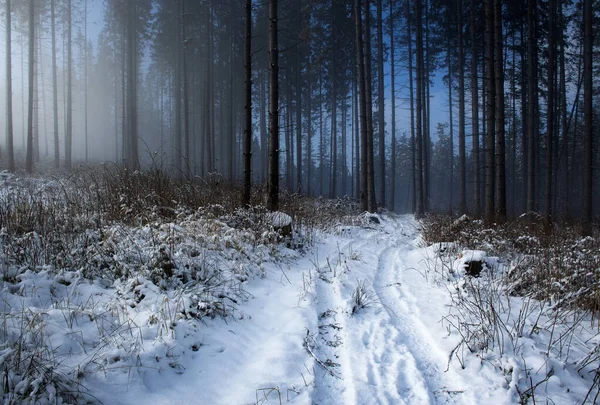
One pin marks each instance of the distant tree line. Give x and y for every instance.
(308, 95)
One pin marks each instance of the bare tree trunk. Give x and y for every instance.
(9, 109)
(490, 112)
(364, 199)
(500, 130)
(451, 119)
(309, 129)
(475, 114)
(413, 163)
(380, 104)
(273, 183)
(29, 156)
(420, 204)
(186, 109)
(132, 136)
(55, 86)
(550, 116)
(588, 40)
(334, 96)
(86, 79)
(531, 99)
(393, 108)
(368, 85)
(462, 200)
(248, 107)
(299, 107)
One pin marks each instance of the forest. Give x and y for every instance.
(299, 201)
(484, 108)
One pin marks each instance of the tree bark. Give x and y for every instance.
(588, 40)
(392, 205)
(248, 107)
(420, 208)
(9, 109)
(475, 114)
(500, 129)
(186, 109)
(364, 199)
(29, 155)
(380, 103)
(413, 163)
(273, 182)
(369, 95)
(550, 116)
(531, 103)
(490, 112)
(462, 199)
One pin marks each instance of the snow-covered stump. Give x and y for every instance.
(472, 262)
(281, 223)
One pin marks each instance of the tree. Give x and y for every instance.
(369, 98)
(364, 199)
(462, 201)
(69, 106)
(550, 117)
(420, 204)
(248, 108)
(29, 155)
(380, 103)
(490, 112)
(531, 102)
(55, 85)
(588, 40)
(9, 110)
(273, 181)
(475, 113)
(499, 115)
(393, 108)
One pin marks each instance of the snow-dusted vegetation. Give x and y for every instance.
(114, 295)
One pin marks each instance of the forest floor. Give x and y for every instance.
(363, 312)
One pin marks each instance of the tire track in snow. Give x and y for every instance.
(413, 337)
(386, 355)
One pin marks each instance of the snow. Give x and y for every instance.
(294, 331)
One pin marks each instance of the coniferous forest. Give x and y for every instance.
(300, 201)
(486, 108)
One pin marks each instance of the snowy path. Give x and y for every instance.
(387, 355)
(299, 340)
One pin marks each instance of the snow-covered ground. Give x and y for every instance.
(362, 316)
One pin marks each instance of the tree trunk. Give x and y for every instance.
(85, 112)
(500, 130)
(248, 108)
(334, 68)
(490, 112)
(55, 87)
(420, 205)
(475, 114)
(393, 108)
(273, 182)
(29, 156)
(588, 40)
(380, 104)
(451, 126)
(186, 109)
(462, 199)
(299, 107)
(9, 109)
(132, 127)
(364, 199)
(413, 163)
(550, 116)
(368, 86)
(531, 98)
